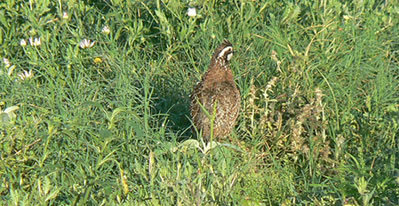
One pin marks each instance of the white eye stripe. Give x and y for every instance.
(229, 56)
(229, 48)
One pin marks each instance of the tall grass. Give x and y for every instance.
(108, 123)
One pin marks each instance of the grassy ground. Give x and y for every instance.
(108, 123)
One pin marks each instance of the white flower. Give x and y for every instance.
(9, 66)
(65, 15)
(192, 12)
(26, 75)
(8, 115)
(106, 30)
(35, 41)
(6, 62)
(85, 43)
(23, 42)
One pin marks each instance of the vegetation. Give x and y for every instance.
(94, 101)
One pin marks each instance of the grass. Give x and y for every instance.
(109, 124)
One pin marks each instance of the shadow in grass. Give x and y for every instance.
(172, 102)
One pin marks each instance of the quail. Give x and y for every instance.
(216, 97)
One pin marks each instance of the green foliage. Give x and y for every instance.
(94, 101)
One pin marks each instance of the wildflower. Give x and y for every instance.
(125, 185)
(35, 41)
(192, 12)
(65, 15)
(98, 60)
(8, 115)
(23, 42)
(26, 75)
(347, 17)
(85, 43)
(6, 62)
(106, 30)
(9, 66)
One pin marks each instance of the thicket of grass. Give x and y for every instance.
(110, 124)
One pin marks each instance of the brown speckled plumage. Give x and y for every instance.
(216, 87)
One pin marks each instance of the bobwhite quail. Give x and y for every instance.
(216, 96)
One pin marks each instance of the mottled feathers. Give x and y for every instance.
(216, 96)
